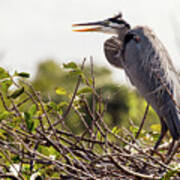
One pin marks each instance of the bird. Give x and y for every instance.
(146, 62)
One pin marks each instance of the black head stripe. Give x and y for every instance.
(119, 21)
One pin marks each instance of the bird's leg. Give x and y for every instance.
(163, 133)
(170, 147)
(142, 122)
(173, 151)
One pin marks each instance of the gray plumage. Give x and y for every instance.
(150, 69)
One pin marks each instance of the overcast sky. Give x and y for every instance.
(34, 30)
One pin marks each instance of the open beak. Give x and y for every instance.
(94, 26)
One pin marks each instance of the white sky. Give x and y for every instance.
(34, 30)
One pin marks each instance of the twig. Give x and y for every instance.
(135, 174)
(72, 99)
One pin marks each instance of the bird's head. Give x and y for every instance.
(114, 25)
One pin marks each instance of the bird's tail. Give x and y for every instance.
(172, 119)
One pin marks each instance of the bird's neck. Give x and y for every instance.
(122, 34)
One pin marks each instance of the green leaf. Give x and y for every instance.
(17, 93)
(52, 105)
(47, 150)
(33, 110)
(156, 128)
(29, 121)
(70, 65)
(84, 90)
(3, 74)
(4, 115)
(75, 72)
(60, 91)
(15, 159)
(5, 85)
(23, 74)
(60, 111)
(62, 104)
(170, 174)
(114, 129)
(134, 130)
(28, 116)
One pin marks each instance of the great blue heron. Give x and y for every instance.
(147, 64)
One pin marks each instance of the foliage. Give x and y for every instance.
(77, 135)
(122, 103)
